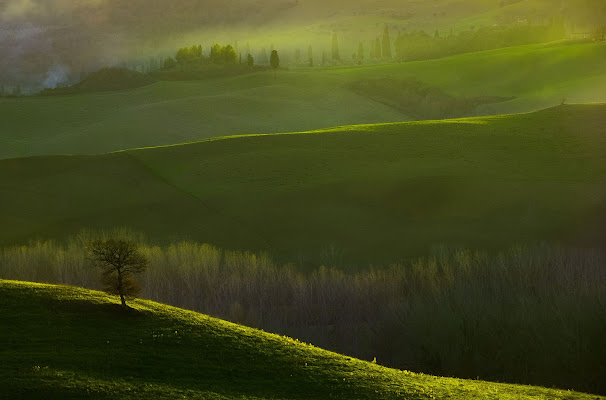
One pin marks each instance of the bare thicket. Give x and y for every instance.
(530, 315)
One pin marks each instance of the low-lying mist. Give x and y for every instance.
(50, 43)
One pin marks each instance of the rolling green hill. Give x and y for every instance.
(374, 193)
(87, 34)
(164, 113)
(69, 343)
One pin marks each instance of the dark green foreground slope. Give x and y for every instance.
(64, 342)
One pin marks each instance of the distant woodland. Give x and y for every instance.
(39, 48)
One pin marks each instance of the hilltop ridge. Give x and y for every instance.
(377, 193)
(67, 342)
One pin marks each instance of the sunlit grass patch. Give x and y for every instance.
(58, 351)
(164, 113)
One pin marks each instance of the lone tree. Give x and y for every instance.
(119, 259)
(274, 61)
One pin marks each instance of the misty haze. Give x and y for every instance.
(303, 199)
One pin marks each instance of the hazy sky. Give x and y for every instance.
(45, 42)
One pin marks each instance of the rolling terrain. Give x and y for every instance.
(445, 216)
(375, 193)
(46, 43)
(525, 78)
(68, 343)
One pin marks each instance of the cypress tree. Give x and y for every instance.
(386, 48)
(335, 47)
(360, 51)
(274, 61)
(310, 56)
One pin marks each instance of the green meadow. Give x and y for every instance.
(371, 194)
(528, 77)
(445, 216)
(71, 343)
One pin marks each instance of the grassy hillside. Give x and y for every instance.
(92, 34)
(74, 343)
(536, 76)
(165, 113)
(371, 193)
(458, 313)
(174, 112)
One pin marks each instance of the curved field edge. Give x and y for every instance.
(533, 77)
(373, 193)
(67, 342)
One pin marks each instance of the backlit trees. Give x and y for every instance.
(119, 260)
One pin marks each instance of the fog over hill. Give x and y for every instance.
(44, 43)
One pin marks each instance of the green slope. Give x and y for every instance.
(537, 76)
(375, 193)
(65, 342)
(165, 113)
(173, 112)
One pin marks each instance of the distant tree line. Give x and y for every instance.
(420, 45)
(218, 54)
(16, 91)
(194, 62)
(528, 315)
(406, 46)
(599, 33)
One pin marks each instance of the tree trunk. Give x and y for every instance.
(121, 289)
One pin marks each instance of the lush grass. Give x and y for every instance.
(65, 342)
(537, 76)
(533, 316)
(173, 112)
(370, 194)
(165, 113)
